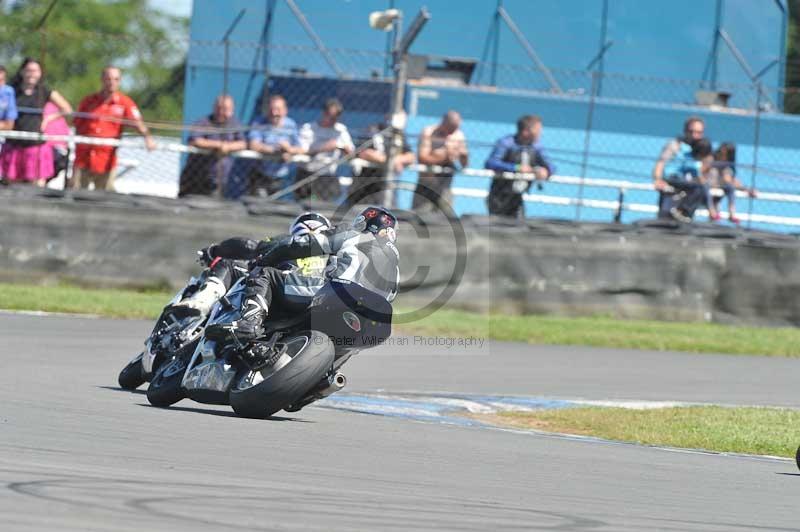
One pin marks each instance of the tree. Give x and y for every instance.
(77, 38)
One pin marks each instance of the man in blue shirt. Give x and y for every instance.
(220, 134)
(677, 168)
(520, 154)
(274, 135)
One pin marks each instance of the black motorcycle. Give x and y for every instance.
(294, 362)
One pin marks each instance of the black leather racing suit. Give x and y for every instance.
(361, 258)
(302, 277)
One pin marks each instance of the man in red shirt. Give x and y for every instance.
(104, 114)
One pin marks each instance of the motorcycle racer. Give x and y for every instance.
(363, 253)
(224, 272)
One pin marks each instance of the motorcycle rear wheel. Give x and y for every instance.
(165, 388)
(131, 376)
(312, 355)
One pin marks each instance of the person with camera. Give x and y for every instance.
(676, 175)
(520, 153)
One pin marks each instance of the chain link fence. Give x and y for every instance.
(597, 132)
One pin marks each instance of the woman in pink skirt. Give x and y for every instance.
(31, 161)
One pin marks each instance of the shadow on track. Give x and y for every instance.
(118, 389)
(224, 413)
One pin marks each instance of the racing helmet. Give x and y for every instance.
(309, 222)
(378, 221)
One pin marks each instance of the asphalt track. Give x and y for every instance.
(76, 453)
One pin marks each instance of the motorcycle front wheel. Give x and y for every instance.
(132, 376)
(165, 388)
(259, 394)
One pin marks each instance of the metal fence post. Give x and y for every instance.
(71, 147)
(226, 43)
(603, 45)
(225, 68)
(398, 118)
(399, 65)
(587, 140)
(756, 142)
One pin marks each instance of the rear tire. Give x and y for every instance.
(797, 458)
(290, 383)
(131, 376)
(165, 388)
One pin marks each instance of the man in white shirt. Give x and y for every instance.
(325, 141)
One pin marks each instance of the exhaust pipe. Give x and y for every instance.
(335, 383)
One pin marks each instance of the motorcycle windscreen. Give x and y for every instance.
(351, 315)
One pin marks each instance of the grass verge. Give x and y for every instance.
(593, 331)
(614, 333)
(765, 431)
(73, 299)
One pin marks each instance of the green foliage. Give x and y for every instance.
(80, 37)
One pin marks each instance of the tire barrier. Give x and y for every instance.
(651, 269)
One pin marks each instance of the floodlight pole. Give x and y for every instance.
(398, 117)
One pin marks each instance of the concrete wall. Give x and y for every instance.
(650, 270)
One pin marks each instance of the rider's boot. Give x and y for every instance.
(254, 311)
(201, 301)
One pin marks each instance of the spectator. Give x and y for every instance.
(31, 160)
(103, 115)
(703, 155)
(442, 145)
(370, 185)
(220, 132)
(723, 175)
(519, 153)
(8, 108)
(57, 126)
(8, 102)
(324, 141)
(274, 134)
(676, 174)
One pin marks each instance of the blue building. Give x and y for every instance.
(627, 71)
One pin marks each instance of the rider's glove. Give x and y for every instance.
(260, 261)
(265, 256)
(205, 256)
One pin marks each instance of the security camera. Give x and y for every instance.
(383, 20)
